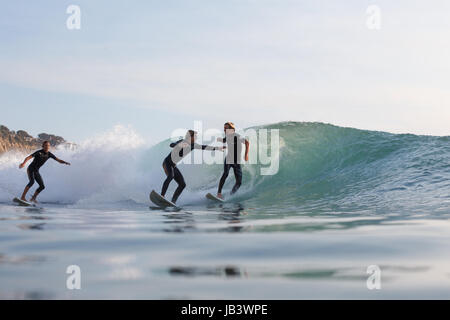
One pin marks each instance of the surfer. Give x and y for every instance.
(181, 148)
(40, 157)
(233, 159)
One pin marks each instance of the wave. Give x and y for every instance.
(322, 167)
(326, 167)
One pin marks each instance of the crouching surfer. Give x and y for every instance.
(40, 157)
(181, 148)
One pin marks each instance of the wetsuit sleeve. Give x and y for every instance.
(204, 147)
(173, 144)
(51, 155)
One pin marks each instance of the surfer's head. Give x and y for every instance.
(46, 146)
(229, 127)
(191, 136)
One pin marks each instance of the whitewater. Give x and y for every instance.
(342, 199)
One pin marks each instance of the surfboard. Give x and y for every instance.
(22, 203)
(212, 197)
(160, 201)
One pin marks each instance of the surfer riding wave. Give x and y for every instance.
(40, 157)
(181, 148)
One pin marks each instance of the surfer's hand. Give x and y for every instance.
(21, 165)
(222, 148)
(67, 163)
(246, 157)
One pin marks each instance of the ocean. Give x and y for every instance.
(343, 203)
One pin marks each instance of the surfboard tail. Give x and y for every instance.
(23, 203)
(212, 197)
(160, 201)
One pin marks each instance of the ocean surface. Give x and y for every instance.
(343, 200)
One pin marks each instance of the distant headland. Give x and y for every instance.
(22, 141)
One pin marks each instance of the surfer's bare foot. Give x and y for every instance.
(219, 195)
(23, 199)
(33, 200)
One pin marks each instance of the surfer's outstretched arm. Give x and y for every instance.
(25, 161)
(51, 155)
(62, 161)
(205, 147)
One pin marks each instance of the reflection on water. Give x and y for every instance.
(5, 259)
(235, 217)
(230, 250)
(236, 208)
(227, 271)
(180, 222)
(28, 214)
(27, 295)
(34, 209)
(32, 226)
(22, 217)
(185, 221)
(345, 273)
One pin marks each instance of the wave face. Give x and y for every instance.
(322, 168)
(325, 167)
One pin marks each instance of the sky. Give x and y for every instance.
(161, 65)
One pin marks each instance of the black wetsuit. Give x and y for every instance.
(234, 146)
(40, 157)
(170, 163)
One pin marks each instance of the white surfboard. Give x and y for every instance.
(160, 201)
(210, 196)
(22, 203)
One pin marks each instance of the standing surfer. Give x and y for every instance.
(40, 157)
(233, 159)
(181, 148)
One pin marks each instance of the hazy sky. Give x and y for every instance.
(160, 65)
